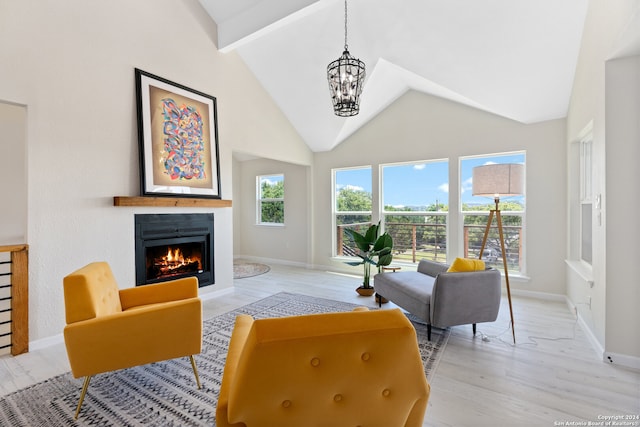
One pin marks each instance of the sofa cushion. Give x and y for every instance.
(466, 264)
(410, 290)
(431, 268)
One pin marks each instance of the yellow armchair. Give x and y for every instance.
(336, 369)
(110, 329)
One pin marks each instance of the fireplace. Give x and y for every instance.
(171, 246)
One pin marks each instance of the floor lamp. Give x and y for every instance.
(499, 180)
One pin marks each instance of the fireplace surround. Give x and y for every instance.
(172, 246)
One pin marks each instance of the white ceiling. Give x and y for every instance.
(513, 58)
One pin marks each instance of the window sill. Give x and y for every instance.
(513, 277)
(517, 278)
(582, 269)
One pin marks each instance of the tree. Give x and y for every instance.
(272, 211)
(272, 190)
(352, 200)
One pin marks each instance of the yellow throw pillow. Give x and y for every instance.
(465, 264)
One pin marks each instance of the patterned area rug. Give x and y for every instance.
(165, 394)
(242, 269)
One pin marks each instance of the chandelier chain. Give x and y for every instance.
(346, 47)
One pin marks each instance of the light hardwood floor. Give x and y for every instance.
(551, 377)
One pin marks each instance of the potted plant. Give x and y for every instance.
(374, 249)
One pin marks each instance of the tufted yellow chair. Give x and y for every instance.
(109, 329)
(359, 368)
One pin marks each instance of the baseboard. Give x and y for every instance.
(43, 343)
(546, 296)
(623, 360)
(214, 294)
(274, 261)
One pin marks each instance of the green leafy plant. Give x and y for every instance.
(374, 249)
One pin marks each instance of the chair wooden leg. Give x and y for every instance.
(195, 370)
(429, 332)
(85, 386)
(474, 329)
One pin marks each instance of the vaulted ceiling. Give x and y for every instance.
(513, 58)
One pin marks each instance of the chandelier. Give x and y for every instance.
(346, 78)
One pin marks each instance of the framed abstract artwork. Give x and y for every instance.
(178, 138)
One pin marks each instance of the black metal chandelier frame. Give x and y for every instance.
(346, 79)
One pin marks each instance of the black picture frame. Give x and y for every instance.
(178, 139)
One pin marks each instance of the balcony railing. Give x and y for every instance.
(492, 254)
(415, 241)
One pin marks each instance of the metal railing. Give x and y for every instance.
(492, 254)
(412, 241)
(415, 241)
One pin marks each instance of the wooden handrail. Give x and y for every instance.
(19, 297)
(13, 248)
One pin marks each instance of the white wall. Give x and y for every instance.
(71, 62)
(288, 243)
(623, 228)
(422, 127)
(13, 174)
(611, 31)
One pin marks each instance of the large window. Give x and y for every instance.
(415, 204)
(351, 205)
(475, 214)
(270, 200)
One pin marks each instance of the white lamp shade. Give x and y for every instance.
(498, 180)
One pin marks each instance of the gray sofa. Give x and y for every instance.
(440, 298)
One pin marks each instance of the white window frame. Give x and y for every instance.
(334, 206)
(260, 199)
(522, 262)
(384, 212)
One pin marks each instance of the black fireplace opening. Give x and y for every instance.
(171, 246)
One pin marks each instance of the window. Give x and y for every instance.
(351, 205)
(586, 196)
(270, 209)
(415, 205)
(475, 214)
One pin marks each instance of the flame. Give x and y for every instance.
(175, 262)
(175, 256)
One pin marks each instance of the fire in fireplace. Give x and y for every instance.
(169, 246)
(173, 260)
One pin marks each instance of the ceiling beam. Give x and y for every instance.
(261, 18)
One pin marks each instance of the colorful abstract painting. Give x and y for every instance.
(183, 142)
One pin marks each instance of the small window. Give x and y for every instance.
(270, 192)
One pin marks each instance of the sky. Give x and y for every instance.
(423, 184)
